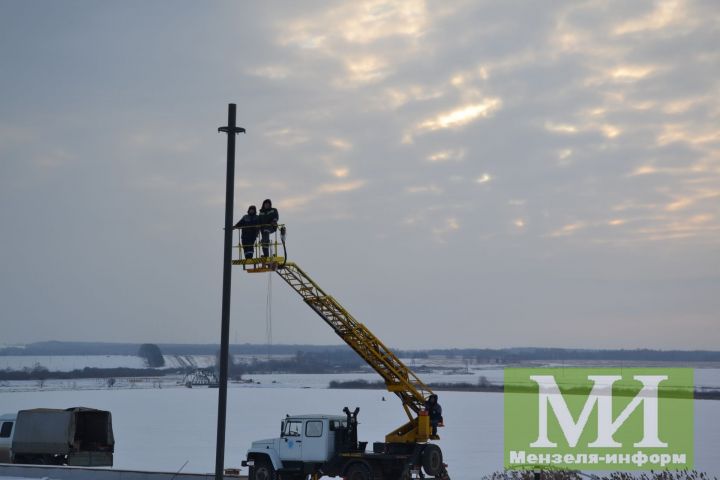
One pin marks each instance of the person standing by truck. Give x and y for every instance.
(268, 219)
(249, 229)
(434, 412)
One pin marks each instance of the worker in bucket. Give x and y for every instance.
(268, 224)
(249, 229)
(434, 412)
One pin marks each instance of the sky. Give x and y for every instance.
(456, 173)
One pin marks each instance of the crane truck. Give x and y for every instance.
(327, 445)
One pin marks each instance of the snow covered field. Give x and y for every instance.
(159, 425)
(159, 429)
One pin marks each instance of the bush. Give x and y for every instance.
(152, 355)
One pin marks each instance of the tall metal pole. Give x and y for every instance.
(231, 129)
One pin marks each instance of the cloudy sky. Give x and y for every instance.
(465, 173)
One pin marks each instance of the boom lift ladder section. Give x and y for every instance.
(399, 379)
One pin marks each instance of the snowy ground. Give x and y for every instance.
(258, 381)
(159, 429)
(159, 425)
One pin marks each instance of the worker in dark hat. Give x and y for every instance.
(435, 413)
(249, 226)
(268, 224)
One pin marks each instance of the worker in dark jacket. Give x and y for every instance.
(249, 229)
(268, 224)
(434, 412)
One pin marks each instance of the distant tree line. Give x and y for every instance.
(101, 348)
(484, 386)
(336, 361)
(43, 373)
(361, 384)
(514, 355)
(480, 355)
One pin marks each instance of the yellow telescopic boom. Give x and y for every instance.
(399, 379)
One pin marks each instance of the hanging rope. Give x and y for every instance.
(268, 315)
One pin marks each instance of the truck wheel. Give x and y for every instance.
(358, 471)
(262, 470)
(432, 460)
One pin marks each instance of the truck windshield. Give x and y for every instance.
(293, 428)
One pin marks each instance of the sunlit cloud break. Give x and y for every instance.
(341, 187)
(462, 115)
(446, 156)
(631, 72)
(424, 189)
(340, 144)
(301, 201)
(560, 127)
(340, 172)
(484, 178)
(665, 13)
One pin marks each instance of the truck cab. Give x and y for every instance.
(305, 441)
